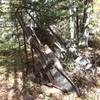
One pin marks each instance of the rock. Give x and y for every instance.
(98, 83)
(41, 96)
(49, 91)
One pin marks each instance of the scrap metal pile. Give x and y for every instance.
(49, 51)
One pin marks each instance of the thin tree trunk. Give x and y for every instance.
(77, 26)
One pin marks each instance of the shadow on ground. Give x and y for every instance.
(14, 81)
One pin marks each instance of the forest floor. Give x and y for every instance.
(15, 85)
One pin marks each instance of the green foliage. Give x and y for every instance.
(50, 12)
(7, 24)
(54, 12)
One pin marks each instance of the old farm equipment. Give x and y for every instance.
(43, 43)
(48, 65)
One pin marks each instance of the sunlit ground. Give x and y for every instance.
(14, 85)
